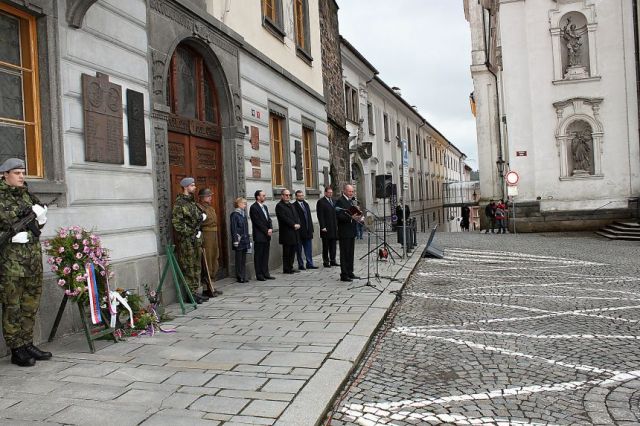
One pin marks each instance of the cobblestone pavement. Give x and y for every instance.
(508, 329)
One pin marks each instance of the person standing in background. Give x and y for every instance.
(240, 241)
(326, 212)
(288, 226)
(305, 248)
(210, 240)
(262, 227)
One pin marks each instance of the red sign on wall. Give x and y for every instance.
(521, 153)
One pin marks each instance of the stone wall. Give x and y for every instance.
(334, 93)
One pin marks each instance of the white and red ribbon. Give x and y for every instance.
(94, 302)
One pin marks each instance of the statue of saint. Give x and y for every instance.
(572, 35)
(581, 151)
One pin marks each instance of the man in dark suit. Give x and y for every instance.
(305, 248)
(346, 233)
(262, 230)
(326, 212)
(288, 224)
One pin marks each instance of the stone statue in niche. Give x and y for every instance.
(572, 35)
(581, 148)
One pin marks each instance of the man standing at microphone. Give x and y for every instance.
(347, 223)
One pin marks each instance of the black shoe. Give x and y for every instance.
(346, 279)
(208, 293)
(260, 279)
(217, 292)
(354, 277)
(326, 265)
(269, 277)
(287, 272)
(21, 357)
(198, 299)
(301, 268)
(37, 354)
(245, 281)
(334, 264)
(295, 272)
(204, 297)
(312, 267)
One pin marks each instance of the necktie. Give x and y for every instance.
(264, 210)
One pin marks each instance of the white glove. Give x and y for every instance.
(198, 234)
(41, 213)
(204, 217)
(20, 238)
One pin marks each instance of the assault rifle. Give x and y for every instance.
(26, 222)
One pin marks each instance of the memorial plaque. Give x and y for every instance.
(102, 104)
(135, 125)
(255, 138)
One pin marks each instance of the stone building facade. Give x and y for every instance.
(232, 96)
(334, 94)
(379, 118)
(558, 104)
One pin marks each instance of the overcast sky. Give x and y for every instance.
(423, 47)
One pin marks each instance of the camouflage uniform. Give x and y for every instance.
(20, 270)
(187, 219)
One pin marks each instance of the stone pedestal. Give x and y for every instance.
(576, 72)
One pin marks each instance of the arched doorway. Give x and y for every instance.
(194, 131)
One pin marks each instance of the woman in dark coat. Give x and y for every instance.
(240, 242)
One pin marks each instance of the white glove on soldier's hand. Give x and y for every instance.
(20, 238)
(41, 213)
(204, 217)
(198, 234)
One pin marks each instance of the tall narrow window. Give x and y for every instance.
(385, 122)
(19, 101)
(370, 118)
(398, 133)
(277, 150)
(301, 19)
(272, 17)
(409, 138)
(307, 148)
(351, 99)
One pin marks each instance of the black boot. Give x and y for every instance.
(21, 357)
(37, 354)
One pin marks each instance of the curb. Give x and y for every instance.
(317, 397)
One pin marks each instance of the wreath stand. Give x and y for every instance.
(178, 279)
(108, 330)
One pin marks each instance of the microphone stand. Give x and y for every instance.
(384, 243)
(368, 283)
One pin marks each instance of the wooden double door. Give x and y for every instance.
(201, 159)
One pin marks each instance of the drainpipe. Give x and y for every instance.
(637, 52)
(487, 63)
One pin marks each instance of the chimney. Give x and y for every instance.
(397, 91)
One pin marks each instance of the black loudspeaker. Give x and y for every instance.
(432, 250)
(383, 186)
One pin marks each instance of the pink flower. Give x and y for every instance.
(58, 260)
(66, 270)
(63, 233)
(61, 282)
(81, 278)
(75, 266)
(86, 249)
(51, 260)
(78, 236)
(54, 268)
(61, 250)
(85, 242)
(103, 273)
(75, 246)
(78, 255)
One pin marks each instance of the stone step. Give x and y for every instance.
(622, 228)
(617, 235)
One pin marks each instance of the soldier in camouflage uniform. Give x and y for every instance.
(187, 219)
(20, 266)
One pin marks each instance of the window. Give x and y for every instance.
(190, 87)
(398, 133)
(409, 138)
(431, 152)
(385, 123)
(19, 100)
(411, 186)
(418, 144)
(351, 98)
(308, 138)
(370, 119)
(301, 19)
(272, 17)
(276, 123)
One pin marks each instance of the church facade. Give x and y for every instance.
(555, 94)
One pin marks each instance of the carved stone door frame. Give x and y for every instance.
(172, 24)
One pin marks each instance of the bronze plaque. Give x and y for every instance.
(255, 138)
(102, 103)
(135, 125)
(256, 173)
